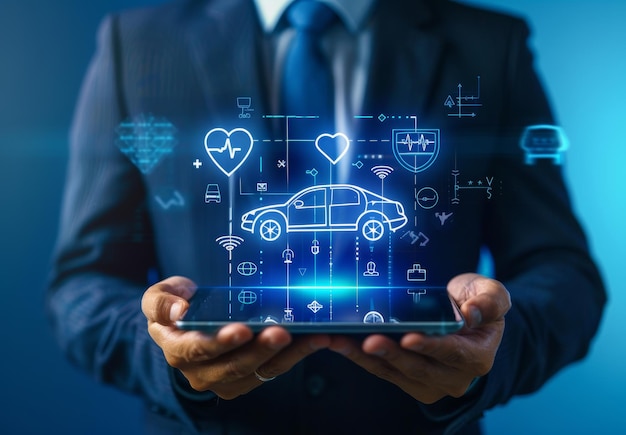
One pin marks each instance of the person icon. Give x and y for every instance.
(370, 269)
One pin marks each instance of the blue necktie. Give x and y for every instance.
(307, 83)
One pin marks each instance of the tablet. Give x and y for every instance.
(326, 310)
(323, 231)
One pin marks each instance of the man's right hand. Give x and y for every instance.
(224, 363)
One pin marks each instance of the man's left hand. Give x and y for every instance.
(430, 368)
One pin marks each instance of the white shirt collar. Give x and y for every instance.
(352, 12)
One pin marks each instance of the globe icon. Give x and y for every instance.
(246, 297)
(246, 268)
(373, 317)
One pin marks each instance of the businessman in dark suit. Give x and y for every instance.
(188, 61)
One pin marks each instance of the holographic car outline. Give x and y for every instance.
(329, 207)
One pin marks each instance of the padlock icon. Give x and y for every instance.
(416, 273)
(315, 247)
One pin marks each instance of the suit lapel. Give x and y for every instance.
(226, 44)
(226, 48)
(405, 59)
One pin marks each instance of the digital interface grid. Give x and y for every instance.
(323, 226)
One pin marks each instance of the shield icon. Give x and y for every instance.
(415, 149)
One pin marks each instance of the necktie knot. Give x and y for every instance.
(310, 16)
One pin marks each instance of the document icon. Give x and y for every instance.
(416, 273)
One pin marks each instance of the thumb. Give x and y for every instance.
(167, 301)
(482, 300)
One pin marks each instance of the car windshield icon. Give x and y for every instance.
(543, 142)
(212, 194)
(332, 207)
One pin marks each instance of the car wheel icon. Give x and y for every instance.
(270, 230)
(373, 230)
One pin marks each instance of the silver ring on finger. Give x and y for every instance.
(263, 378)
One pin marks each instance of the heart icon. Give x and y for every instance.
(145, 140)
(332, 146)
(228, 149)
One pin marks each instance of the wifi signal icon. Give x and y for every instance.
(229, 242)
(382, 171)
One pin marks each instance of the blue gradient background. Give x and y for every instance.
(45, 47)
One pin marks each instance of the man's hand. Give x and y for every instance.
(432, 367)
(225, 362)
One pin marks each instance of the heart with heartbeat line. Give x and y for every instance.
(228, 149)
(332, 146)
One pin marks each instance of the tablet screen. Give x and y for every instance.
(316, 309)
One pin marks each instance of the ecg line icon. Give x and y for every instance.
(421, 141)
(227, 146)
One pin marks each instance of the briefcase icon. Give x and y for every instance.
(416, 273)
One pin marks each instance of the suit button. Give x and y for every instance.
(315, 385)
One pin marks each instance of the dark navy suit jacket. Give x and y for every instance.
(188, 61)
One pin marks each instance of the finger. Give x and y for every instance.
(225, 383)
(452, 351)
(401, 358)
(414, 365)
(471, 353)
(185, 348)
(391, 364)
(446, 365)
(460, 286)
(490, 304)
(296, 352)
(371, 361)
(418, 375)
(166, 301)
(420, 372)
(242, 362)
(482, 300)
